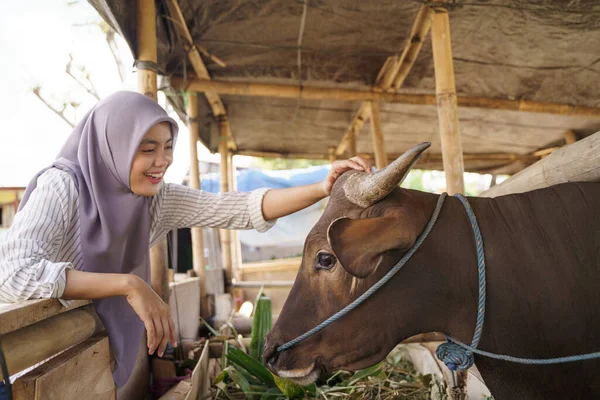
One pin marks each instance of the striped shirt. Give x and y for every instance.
(44, 238)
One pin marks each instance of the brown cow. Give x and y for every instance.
(542, 252)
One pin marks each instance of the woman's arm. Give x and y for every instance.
(151, 309)
(281, 202)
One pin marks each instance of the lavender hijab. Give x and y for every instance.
(114, 222)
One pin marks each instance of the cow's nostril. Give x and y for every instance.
(270, 356)
(272, 360)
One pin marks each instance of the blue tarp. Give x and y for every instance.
(290, 230)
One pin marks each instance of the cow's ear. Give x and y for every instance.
(360, 244)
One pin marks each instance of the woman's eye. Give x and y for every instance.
(325, 261)
(147, 150)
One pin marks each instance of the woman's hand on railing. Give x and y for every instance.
(154, 313)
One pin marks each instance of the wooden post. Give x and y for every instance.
(198, 261)
(446, 102)
(352, 143)
(452, 156)
(377, 137)
(147, 52)
(224, 233)
(570, 137)
(332, 156)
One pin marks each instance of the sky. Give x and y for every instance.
(31, 135)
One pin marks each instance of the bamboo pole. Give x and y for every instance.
(446, 99)
(578, 162)
(198, 262)
(418, 33)
(236, 250)
(35, 343)
(377, 137)
(224, 233)
(193, 51)
(454, 168)
(332, 156)
(570, 137)
(321, 93)
(147, 52)
(426, 158)
(352, 143)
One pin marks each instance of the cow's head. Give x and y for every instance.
(369, 223)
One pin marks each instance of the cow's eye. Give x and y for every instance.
(325, 261)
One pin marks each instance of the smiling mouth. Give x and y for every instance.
(154, 178)
(302, 377)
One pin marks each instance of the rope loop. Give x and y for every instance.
(454, 356)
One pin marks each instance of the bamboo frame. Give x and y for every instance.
(381, 159)
(225, 234)
(447, 105)
(198, 262)
(147, 51)
(293, 91)
(213, 99)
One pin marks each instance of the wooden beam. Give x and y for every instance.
(37, 342)
(570, 137)
(377, 137)
(426, 158)
(147, 52)
(446, 100)
(146, 47)
(293, 91)
(578, 162)
(332, 156)
(15, 316)
(236, 248)
(198, 261)
(212, 97)
(87, 367)
(418, 33)
(224, 183)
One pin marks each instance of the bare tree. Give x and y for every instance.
(81, 75)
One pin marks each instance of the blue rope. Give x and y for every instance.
(376, 286)
(456, 357)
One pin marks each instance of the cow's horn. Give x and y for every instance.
(365, 189)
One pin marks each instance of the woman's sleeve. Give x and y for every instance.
(178, 206)
(36, 234)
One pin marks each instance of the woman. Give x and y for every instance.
(85, 224)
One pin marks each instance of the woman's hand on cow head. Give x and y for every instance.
(154, 313)
(339, 167)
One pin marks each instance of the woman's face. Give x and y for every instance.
(152, 158)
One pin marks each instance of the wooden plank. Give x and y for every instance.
(82, 372)
(577, 162)
(185, 304)
(377, 137)
(447, 106)
(293, 91)
(200, 382)
(19, 315)
(178, 392)
(37, 342)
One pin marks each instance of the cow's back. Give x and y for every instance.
(543, 273)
